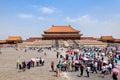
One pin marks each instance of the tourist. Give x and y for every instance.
(45, 54)
(72, 65)
(28, 65)
(110, 68)
(67, 56)
(25, 50)
(23, 65)
(57, 55)
(32, 63)
(77, 66)
(81, 69)
(17, 63)
(104, 69)
(95, 67)
(57, 71)
(115, 73)
(20, 67)
(100, 65)
(37, 61)
(42, 61)
(52, 65)
(88, 70)
(59, 65)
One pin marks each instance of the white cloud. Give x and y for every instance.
(84, 20)
(41, 18)
(95, 27)
(47, 10)
(68, 19)
(25, 16)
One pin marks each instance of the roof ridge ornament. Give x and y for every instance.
(69, 25)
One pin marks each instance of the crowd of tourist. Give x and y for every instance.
(91, 59)
(23, 65)
(83, 59)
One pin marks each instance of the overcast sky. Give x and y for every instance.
(29, 18)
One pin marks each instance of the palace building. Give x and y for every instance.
(14, 39)
(61, 32)
(3, 41)
(107, 39)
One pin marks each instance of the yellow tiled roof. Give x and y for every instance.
(2, 41)
(61, 29)
(63, 35)
(106, 38)
(117, 40)
(14, 38)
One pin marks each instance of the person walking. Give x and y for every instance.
(81, 69)
(52, 65)
(37, 61)
(42, 61)
(17, 64)
(57, 55)
(45, 54)
(88, 70)
(20, 67)
(59, 65)
(115, 73)
(110, 68)
(95, 67)
(23, 65)
(57, 71)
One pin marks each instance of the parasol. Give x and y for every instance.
(32, 59)
(102, 54)
(76, 61)
(88, 53)
(116, 59)
(69, 51)
(85, 59)
(105, 62)
(115, 71)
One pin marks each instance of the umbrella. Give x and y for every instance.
(88, 53)
(32, 59)
(76, 50)
(115, 70)
(85, 59)
(69, 51)
(116, 59)
(76, 61)
(102, 54)
(105, 62)
(92, 53)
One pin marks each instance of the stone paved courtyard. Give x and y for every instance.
(8, 69)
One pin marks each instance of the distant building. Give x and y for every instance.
(61, 32)
(3, 41)
(88, 38)
(60, 36)
(14, 39)
(34, 39)
(107, 39)
(117, 40)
